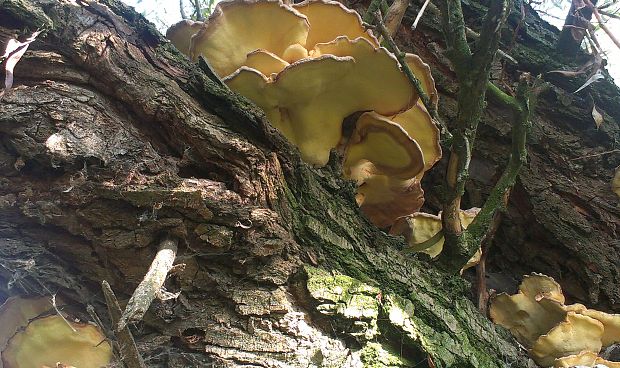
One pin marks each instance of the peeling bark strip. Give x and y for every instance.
(151, 286)
(14, 51)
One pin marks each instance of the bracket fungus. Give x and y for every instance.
(422, 231)
(309, 66)
(330, 20)
(586, 358)
(551, 330)
(309, 99)
(224, 39)
(32, 334)
(180, 34)
(15, 313)
(383, 199)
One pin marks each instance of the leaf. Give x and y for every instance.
(14, 51)
(595, 77)
(597, 116)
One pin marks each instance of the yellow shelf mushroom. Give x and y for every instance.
(16, 312)
(419, 228)
(383, 198)
(32, 335)
(310, 65)
(50, 340)
(225, 41)
(330, 20)
(538, 319)
(586, 358)
(309, 99)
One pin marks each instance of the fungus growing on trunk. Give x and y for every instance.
(386, 145)
(48, 341)
(576, 333)
(586, 358)
(32, 334)
(330, 20)
(265, 62)
(15, 313)
(422, 232)
(326, 67)
(538, 318)
(383, 198)
(180, 34)
(306, 102)
(225, 42)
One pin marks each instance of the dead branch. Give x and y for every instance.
(126, 344)
(151, 286)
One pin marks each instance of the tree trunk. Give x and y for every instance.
(112, 141)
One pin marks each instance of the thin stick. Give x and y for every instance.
(127, 345)
(151, 286)
(60, 314)
(417, 18)
(595, 154)
(385, 33)
(602, 23)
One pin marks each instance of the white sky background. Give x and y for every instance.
(164, 13)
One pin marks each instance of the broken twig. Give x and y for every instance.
(152, 284)
(126, 344)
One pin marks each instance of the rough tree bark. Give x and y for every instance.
(112, 140)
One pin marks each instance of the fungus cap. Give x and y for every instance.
(181, 33)
(419, 227)
(49, 340)
(385, 144)
(308, 100)
(265, 62)
(533, 311)
(537, 286)
(611, 325)
(329, 20)
(577, 333)
(423, 72)
(239, 27)
(585, 358)
(383, 199)
(16, 312)
(418, 124)
(525, 317)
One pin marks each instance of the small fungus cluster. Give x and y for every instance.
(311, 65)
(33, 335)
(423, 232)
(556, 335)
